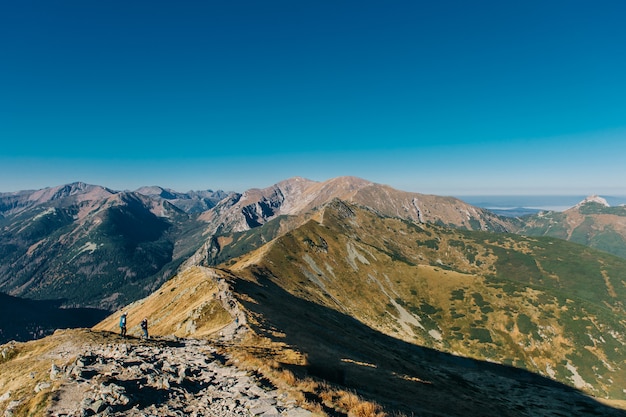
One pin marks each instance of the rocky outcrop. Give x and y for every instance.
(593, 199)
(165, 378)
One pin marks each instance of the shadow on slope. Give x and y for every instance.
(402, 377)
(23, 319)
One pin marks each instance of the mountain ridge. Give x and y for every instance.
(298, 196)
(341, 285)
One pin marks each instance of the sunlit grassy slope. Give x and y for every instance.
(186, 305)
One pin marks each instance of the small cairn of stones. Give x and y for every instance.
(177, 378)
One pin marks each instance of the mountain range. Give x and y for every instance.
(93, 247)
(402, 297)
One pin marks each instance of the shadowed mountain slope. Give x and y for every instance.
(406, 379)
(30, 319)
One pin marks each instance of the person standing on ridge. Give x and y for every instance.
(144, 327)
(123, 325)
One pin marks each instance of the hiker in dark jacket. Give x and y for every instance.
(144, 327)
(123, 325)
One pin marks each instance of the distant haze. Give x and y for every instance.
(539, 202)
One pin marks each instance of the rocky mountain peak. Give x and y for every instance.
(87, 191)
(14, 203)
(593, 199)
(156, 191)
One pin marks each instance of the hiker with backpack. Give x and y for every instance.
(144, 327)
(123, 325)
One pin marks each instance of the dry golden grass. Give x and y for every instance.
(350, 403)
(314, 407)
(327, 395)
(288, 377)
(185, 306)
(367, 409)
(309, 385)
(347, 400)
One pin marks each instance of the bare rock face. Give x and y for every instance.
(298, 195)
(183, 377)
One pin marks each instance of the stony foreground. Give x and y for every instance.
(182, 378)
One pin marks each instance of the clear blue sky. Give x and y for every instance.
(441, 97)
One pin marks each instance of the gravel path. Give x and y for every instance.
(182, 378)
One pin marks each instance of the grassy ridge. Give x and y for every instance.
(542, 304)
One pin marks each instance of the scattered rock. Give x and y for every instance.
(55, 372)
(97, 406)
(12, 406)
(166, 378)
(42, 386)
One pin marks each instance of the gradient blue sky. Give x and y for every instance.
(441, 97)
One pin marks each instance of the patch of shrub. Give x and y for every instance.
(430, 243)
(525, 324)
(480, 334)
(458, 295)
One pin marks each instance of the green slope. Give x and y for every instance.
(542, 304)
(591, 224)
